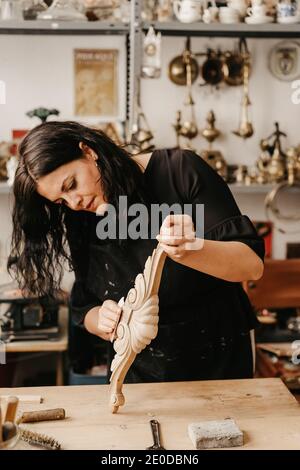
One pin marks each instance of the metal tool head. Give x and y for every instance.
(156, 436)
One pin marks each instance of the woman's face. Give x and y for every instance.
(75, 184)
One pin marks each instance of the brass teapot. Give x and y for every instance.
(245, 129)
(272, 162)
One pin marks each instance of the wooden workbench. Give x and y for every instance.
(263, 408)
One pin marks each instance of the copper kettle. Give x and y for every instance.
(177, 70)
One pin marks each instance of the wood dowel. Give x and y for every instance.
(11, 409)
(42, 415)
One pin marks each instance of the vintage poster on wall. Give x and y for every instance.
(96, 82)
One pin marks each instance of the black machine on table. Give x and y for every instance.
(24, 318)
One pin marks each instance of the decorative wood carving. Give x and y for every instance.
(138, 324)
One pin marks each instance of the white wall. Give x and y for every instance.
(38, 71)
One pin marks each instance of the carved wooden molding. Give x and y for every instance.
(138, 325)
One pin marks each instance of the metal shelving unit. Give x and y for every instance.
(82, 28)
(251, 189)
(46, 27)
(273, 30)
(173, 28)
(134, 42)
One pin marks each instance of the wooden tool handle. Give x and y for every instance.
(42, 415)
(11, 409)
(9, 430)
(113, 334)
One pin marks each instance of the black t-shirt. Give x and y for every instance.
(106, 269)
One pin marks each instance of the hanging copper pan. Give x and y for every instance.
(234, 63)
(212, 69)
(233, 68)
(177, 67)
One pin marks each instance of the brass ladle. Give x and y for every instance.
(245, 129)
(189, 128)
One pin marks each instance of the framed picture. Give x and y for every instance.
(96, 84)
(284, 60)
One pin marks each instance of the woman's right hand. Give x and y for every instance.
(108, 318)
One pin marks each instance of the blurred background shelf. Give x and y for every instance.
(62, 27)
(253, 188)
(273, 30)
(173, 28)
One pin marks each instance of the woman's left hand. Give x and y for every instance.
(177, 236)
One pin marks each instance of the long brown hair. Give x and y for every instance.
(39, 248)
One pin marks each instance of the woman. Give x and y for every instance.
(66, 171)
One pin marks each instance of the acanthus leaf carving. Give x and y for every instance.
(138, 325)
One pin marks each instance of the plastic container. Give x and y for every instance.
(86, 379)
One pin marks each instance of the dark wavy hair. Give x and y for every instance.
(38, 248)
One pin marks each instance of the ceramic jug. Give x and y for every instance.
(187, 11)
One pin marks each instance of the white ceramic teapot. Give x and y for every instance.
(187, 11)
(240, 5)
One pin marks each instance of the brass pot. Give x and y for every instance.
(212, 69)
(177, 70)
(233, 69)
(142, 135)
(189, 129)
(233, 64)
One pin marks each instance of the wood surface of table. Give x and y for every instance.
(264, 410)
